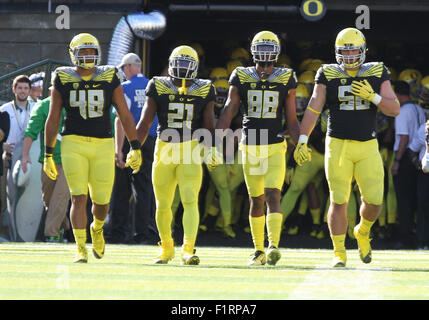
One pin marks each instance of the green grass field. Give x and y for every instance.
(45, 271)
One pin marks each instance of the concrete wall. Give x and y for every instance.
(28, 38)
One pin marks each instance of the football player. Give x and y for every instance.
(353, 91)
(267, 93)
(87, 92)
(305, 174)
(183, 104)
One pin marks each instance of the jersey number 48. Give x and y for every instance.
(89, 102)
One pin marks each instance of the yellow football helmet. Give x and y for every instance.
(183, 63)
(424, 93)
(84, 41)
(302, 96)
(222, 88)
(350, 39)
(240, 54)
(412, 76)
(199, 49)
(307, 77)
(314, 65)
(218, 73)
(304, 63)
(265, 47)
(231, 65)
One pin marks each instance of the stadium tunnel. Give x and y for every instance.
(214, 26)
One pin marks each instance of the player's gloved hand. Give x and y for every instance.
(302, 152)
(214, 158)
(364, 90)
(134, 157)
(49, 166)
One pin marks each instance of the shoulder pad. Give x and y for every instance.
(200, 88)
(164, 85)
(67, 74)
(333, 71)
(281, 75)
(248, 74)
(372, 69)
(104, 73)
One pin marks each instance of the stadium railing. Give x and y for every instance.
(46, 66)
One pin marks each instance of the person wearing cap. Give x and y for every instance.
(36, 87)
(55, 193)
(141, 182)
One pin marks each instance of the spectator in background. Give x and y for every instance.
(140, 184)
(19, 110)
(404, 172)
(417, 149)
(36, 87)
(55, 193)
(4, 132)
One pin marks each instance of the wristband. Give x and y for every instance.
(49, 150)
(303, 138)
(135, 145)
(313, 110)
(376, 99)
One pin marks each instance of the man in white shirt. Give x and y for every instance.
(418, 147)
(404, 172)
(19, 111)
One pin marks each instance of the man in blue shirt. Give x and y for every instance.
(140, 184)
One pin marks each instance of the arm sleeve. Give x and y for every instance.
(293, 81)
(320, 77)
(234, 80)
(386, 74)
(211, 96)
(151, 89)
(418, 141)
(36, 122)
(401, 122)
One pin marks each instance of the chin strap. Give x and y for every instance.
(183, 89)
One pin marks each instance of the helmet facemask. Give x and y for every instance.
(265, 52)
(221, 96)
(183, 67)
(85, 61)
(350, 61)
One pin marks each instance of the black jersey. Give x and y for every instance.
(88, 104)
(351, 117)
(263, 102)
(177, 111)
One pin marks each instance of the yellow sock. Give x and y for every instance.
(98, 224)
(163, 220)
(191, 220)
(365, 226)
(339, 242)
(80, 237)
(257, 227)
(315, 214)
(274, 227)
